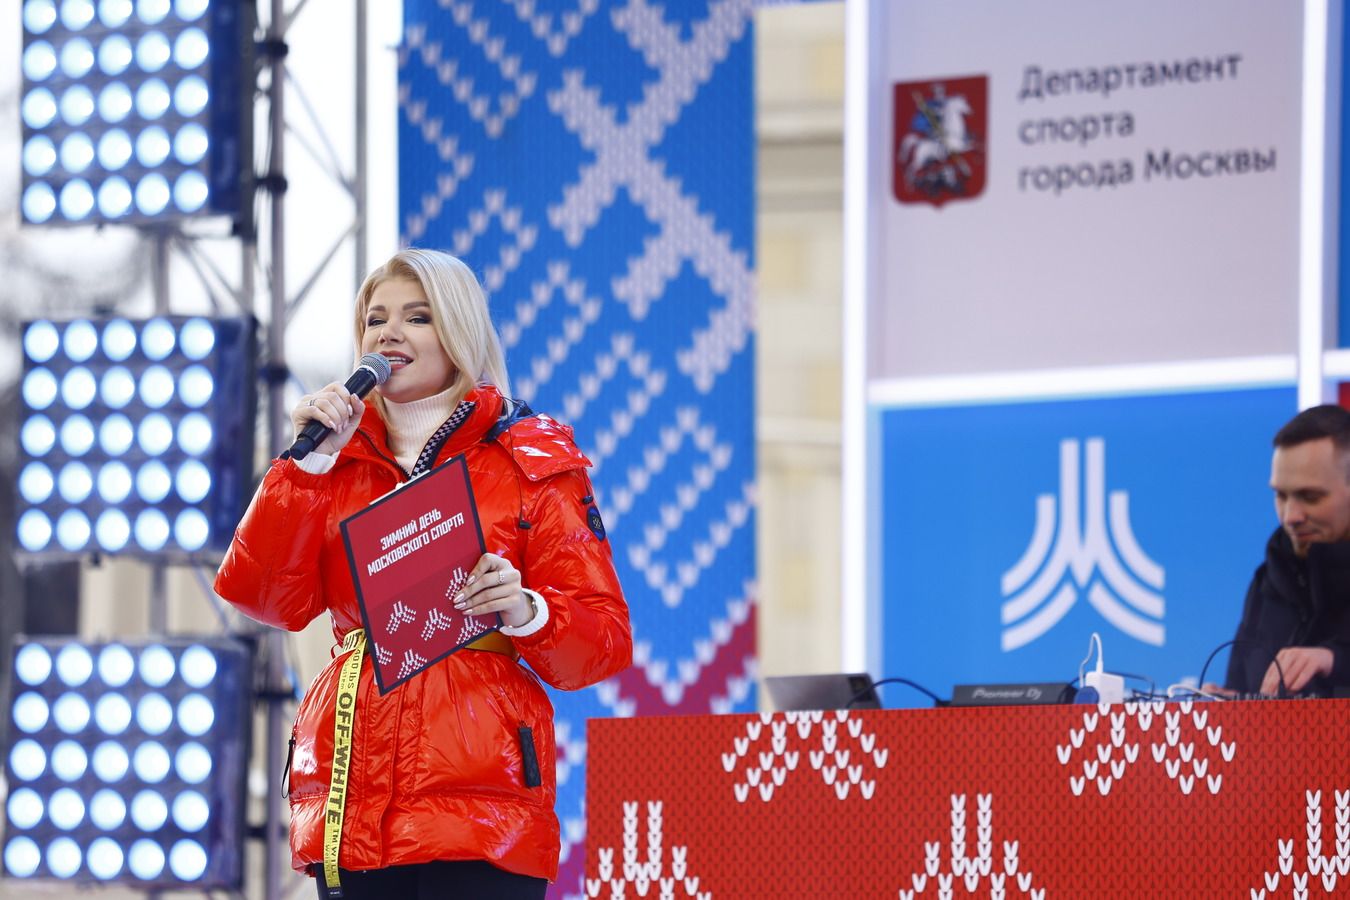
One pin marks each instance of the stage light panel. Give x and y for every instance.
(110, 762)
(136, 437)
(135, 112)
(148, 789)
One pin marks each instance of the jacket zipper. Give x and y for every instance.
(286, 770)
(529, 756)
(376, 450)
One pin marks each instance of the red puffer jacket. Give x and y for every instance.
(437, 769)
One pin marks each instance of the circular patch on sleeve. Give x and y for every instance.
(596, 524)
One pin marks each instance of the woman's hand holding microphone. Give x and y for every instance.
(337, 409)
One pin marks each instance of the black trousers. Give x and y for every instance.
(460, 880)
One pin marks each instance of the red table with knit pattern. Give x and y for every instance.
(1247, 800)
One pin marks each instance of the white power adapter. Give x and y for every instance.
(1110, 688)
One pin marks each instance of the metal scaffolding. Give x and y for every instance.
(265, 217)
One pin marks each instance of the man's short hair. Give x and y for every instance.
(1315, 423)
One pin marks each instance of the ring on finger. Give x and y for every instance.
(501, 577)
(311, 401)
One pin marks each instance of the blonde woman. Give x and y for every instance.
(449, 788)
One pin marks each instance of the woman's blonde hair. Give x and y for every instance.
(459, 312)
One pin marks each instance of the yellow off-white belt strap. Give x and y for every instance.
(343, 719)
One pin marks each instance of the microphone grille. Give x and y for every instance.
(379, 365)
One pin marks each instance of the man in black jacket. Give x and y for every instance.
(1295, 628)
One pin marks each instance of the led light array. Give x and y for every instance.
(136, 436)
(127, 762)
(131, 109)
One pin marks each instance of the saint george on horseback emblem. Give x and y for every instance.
(938, 153)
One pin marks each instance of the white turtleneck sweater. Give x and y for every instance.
(412, 424)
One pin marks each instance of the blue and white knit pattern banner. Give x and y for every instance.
(593, 161)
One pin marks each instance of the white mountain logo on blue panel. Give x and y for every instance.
(1083, 547)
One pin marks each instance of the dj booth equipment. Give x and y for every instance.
(1175, 799)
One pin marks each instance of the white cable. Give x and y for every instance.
(1174, 689)
(1096, 640)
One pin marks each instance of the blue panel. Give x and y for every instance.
(1186, 477)
(594, 164)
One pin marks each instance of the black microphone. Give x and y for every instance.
(373, 369)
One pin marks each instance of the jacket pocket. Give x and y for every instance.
(524, 698)
(472, 738)
(311, 753)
